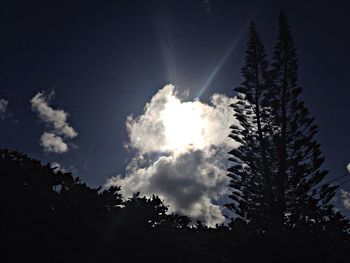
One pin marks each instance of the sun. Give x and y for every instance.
(183, 125)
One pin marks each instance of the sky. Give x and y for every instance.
(80, 83)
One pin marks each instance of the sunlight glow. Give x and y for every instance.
(183, 124)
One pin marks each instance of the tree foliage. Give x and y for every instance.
(277, 180)
(251, 173)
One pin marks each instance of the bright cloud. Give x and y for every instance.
(168, 124)
(53, 141)
(40, 104)
(3, 108)
(181, 154)
(348, 167)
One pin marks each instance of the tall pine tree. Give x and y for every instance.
(299, 198)
(251, 174)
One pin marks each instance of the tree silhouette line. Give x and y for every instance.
(282, 207)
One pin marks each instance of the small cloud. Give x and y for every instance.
(58, 118)
(53, 141)
(345, 198)
(348, 167)
(3, 108)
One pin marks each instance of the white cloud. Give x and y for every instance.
(40, 104)
(3, 108)
(169, 123)
(181, 154)
(348, 167)
(345, 198)
(53, 141)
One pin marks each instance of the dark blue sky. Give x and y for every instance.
(105, 60)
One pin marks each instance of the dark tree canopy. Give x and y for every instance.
(51, 216)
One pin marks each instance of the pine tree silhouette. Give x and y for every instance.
(300, 194)
(251, 173)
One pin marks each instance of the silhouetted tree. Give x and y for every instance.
(50, 215)
(251, 173)
(298, 160)
(276, 178)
